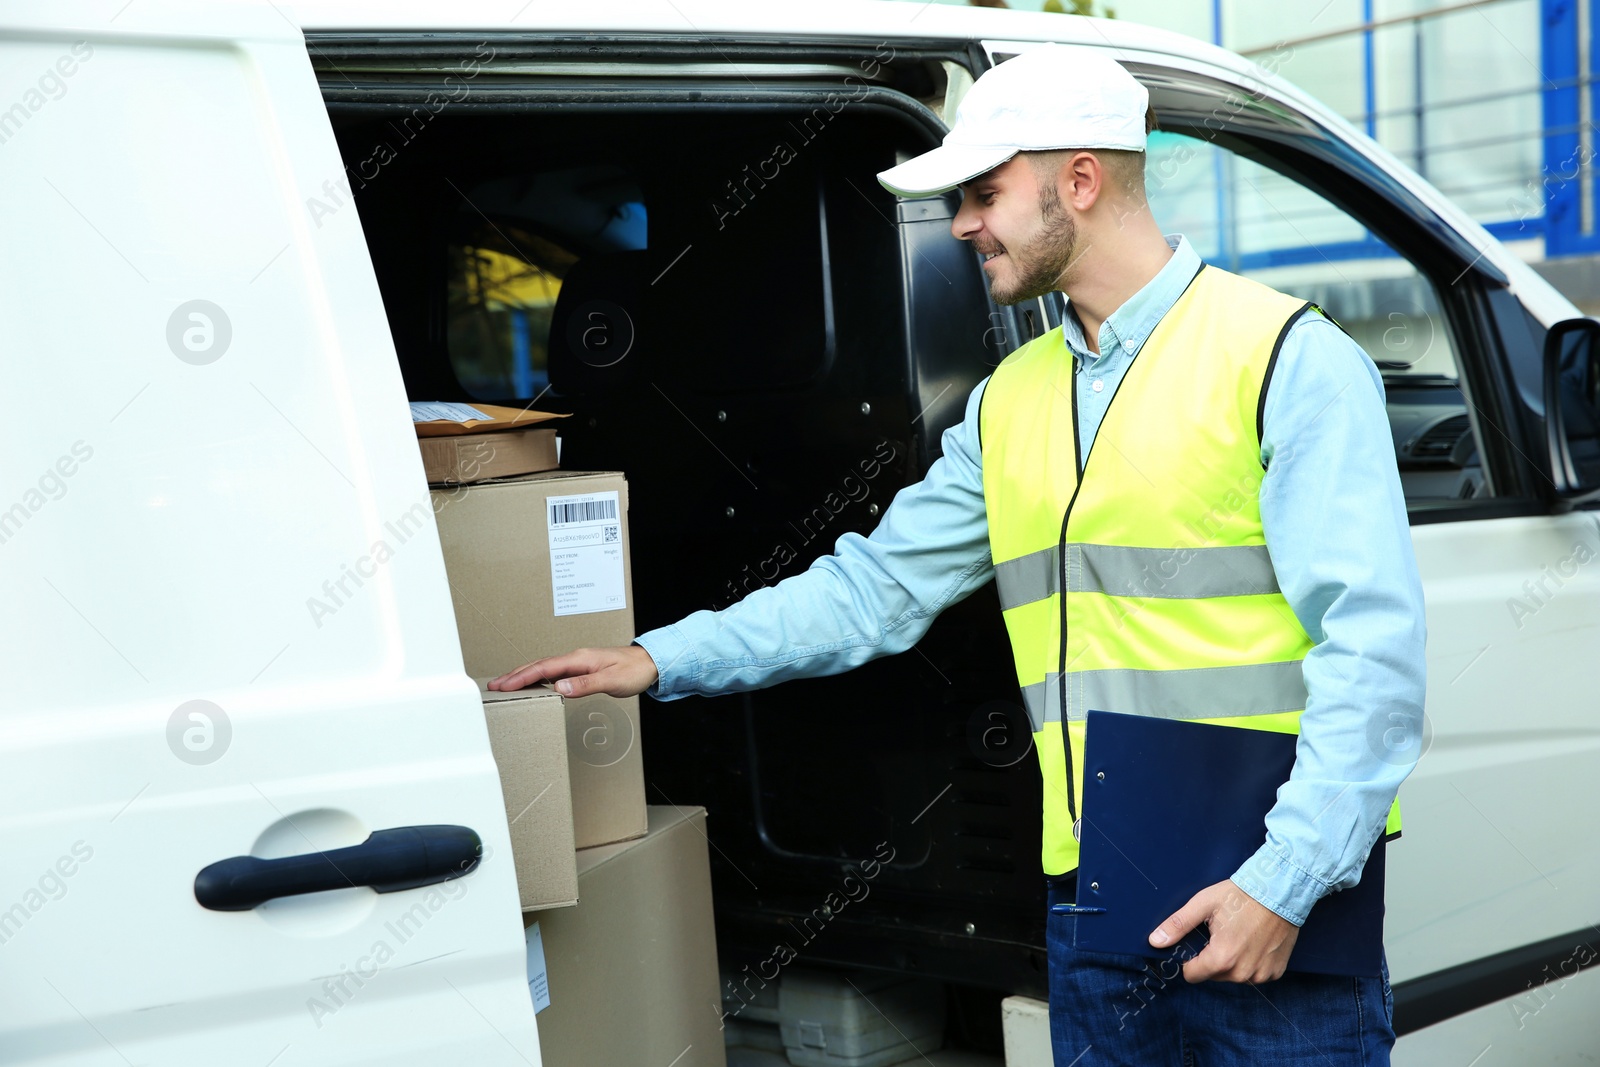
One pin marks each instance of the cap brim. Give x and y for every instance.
(942, 169)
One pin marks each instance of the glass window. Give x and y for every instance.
(1482, 122)
(502, 291)
(513, 242)
(1247, 218)
(1458, 94)
(1254, 221)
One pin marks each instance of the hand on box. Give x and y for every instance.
(620, 672)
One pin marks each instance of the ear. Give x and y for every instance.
(1081, 181)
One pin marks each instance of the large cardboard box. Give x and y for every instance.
(631, 972)
(539, 566)
(528, 735)
(478, 457)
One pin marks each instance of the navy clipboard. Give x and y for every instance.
(1170, 807)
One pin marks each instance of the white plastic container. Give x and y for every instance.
(858, 1019)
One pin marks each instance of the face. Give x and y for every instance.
(1018, 223)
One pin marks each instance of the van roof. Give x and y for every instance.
(855, 19)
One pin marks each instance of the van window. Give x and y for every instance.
(512, 243)
(1247, 218)
(1251, 220)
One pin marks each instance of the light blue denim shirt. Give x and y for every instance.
(1336, 529)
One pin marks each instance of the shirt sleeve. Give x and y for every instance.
(874, 596)
(1336, 528)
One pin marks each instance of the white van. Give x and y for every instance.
(238, 236)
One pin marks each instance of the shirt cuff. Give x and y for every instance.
(1279, 886)
(677, 667)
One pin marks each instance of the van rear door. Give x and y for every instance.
(228, 631)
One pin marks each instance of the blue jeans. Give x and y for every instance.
(1127, 1011)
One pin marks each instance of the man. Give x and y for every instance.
(1225, 541)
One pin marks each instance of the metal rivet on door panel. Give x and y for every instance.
(1101, 776)
(728, 512)
(971, 929)
(866, 408)
(722, 416)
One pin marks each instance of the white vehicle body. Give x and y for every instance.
(191, 487)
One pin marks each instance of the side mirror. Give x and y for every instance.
(1572, 409)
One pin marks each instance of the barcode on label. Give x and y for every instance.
(582, 511)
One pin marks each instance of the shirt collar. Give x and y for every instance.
(1130, 325)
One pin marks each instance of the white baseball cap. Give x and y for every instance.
(1046, 98)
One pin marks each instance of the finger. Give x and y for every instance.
(582, 685)
(523, 676)
(547, 669)
(1209, 963)
(1267, 972)
(1180, 922)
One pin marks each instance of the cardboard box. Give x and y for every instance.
(479, 457)
(445, 418)
(631, 972)
(497, 539)
(528, 734)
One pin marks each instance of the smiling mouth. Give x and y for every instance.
(987, 256)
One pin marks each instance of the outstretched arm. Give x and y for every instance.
(873, 596)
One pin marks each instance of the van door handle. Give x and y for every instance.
(388, 861)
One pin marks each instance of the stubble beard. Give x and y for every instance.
(1040, 264)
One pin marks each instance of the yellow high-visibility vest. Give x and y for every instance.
(1139, 581)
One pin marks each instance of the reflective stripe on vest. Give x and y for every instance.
(1231, 570)
(1196, 693)
(1143, 586)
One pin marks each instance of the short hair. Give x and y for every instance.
(1124, 167)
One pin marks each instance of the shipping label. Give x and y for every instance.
(538, 973)
(586, 559)
(443, 411)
